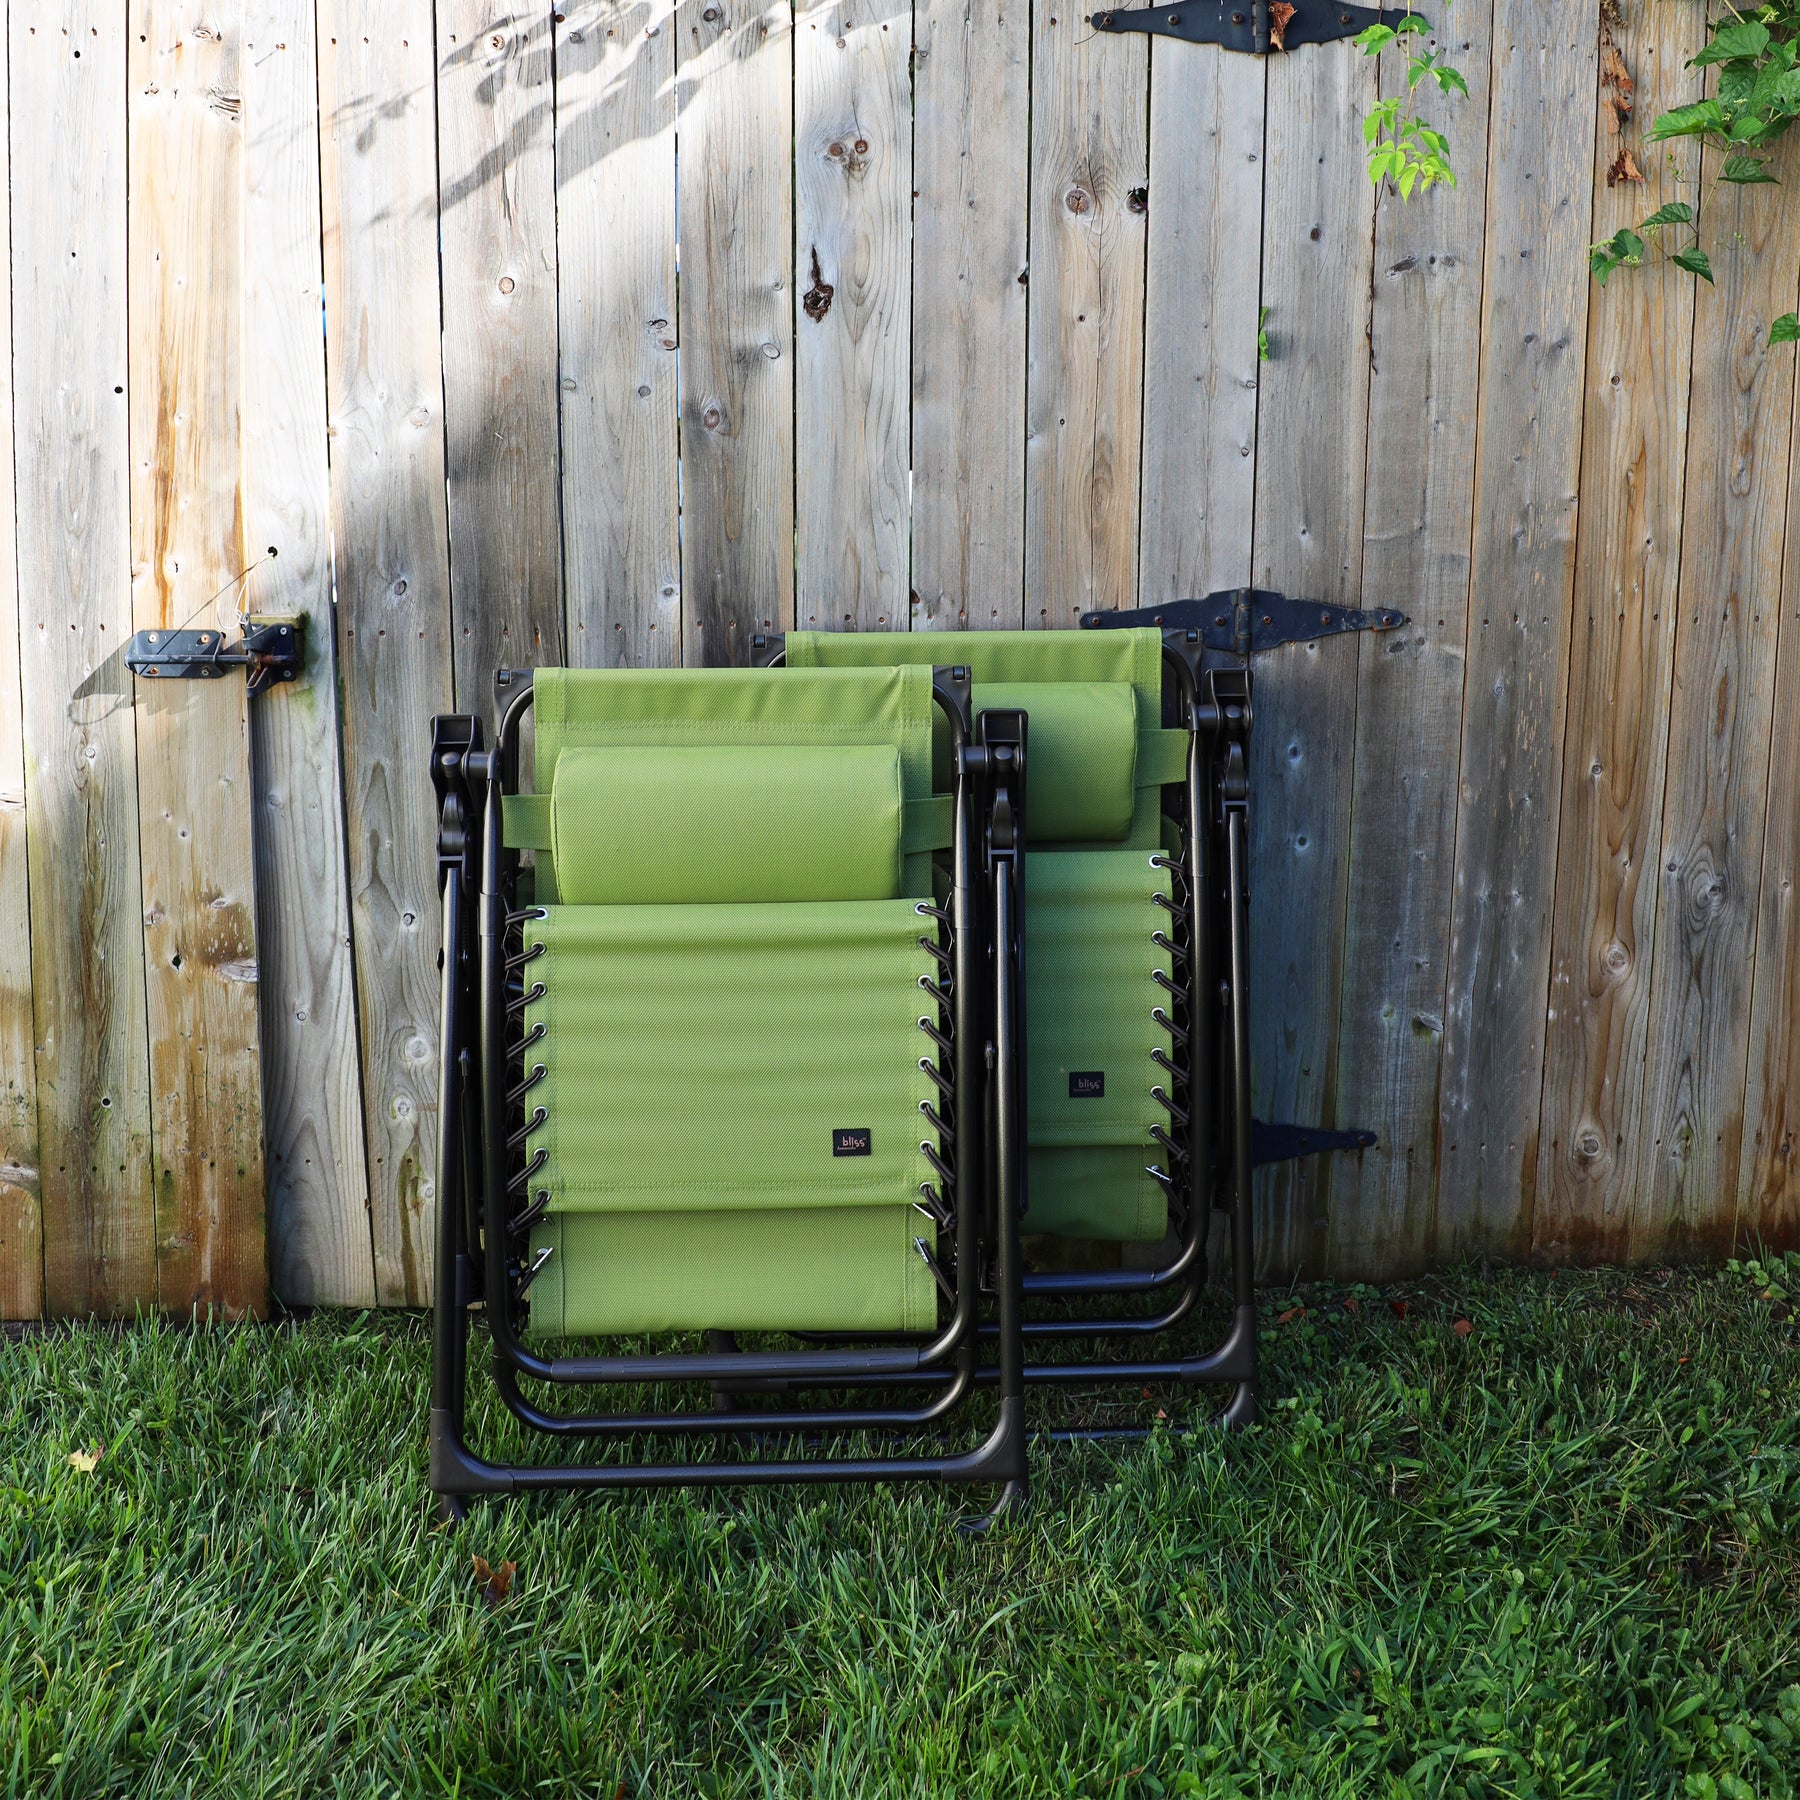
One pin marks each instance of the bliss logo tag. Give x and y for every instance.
(850, 1141)
(1087, 1084)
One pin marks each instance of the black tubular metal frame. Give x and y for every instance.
(1210, 1152)
(481, 1242)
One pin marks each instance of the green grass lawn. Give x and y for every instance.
(1526, 1535)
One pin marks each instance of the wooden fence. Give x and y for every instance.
(966, 331)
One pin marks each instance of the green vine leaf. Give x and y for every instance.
(1745, 171)
(1748, 39)
(1676, 212)
(1785, 330)
(1694, 260)
(1624, 249)
(1687, 121)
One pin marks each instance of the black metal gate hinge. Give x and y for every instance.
(1245, 620)
(1251, 26)
(270, 650)
(1285, 1143)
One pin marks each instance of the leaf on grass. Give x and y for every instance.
(1463, 1327)
(1352, 1305)
(495, 1584)
(1785, 330)
(1400, 1308)
(1279, 14)
(1624, 168)
(1292, 1313)
(85, 1462)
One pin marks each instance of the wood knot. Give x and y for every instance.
(816, 301)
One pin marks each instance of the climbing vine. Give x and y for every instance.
(1756, 100)
(1404, 151)
(1756, 50)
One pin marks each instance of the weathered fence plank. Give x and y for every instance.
(1311, 435)
(971, 110)
(853, 180)
(1418, 517)
(1592, 1162)
(81, 801)
(615, 233)
(1085, 369)
(1740, 424)
(185, 245)
(1768, 1189)
(21, 1218)
(1528, 452)
(378, 160)
(496, 118)
(1201, 318)
(734, 76)
(318, 1185)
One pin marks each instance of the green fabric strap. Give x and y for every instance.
(525, 820)
(1162, 757)
(930, 824)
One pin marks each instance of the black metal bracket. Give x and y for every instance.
(270, 650)
(1245, 620)
(1252, 26)
(1286, 1143)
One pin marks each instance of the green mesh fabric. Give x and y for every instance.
(633, 826)
(850, 1268)
(1004, 660)
(699, 1057)
(1089, 993)
(1081, 746)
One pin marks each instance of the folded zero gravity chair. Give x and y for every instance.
(731, 1054)
(1136, 1048)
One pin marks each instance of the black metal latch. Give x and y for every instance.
(1245, 620)
(270, 650)
(1251, 26)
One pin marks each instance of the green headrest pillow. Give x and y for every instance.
(1081, 744)
(637, 826)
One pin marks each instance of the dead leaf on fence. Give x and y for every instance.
(1463, 1327)
(1622, 93)
(1279, 14)
(1623, 168)
(495, 1584)
(85, 1462)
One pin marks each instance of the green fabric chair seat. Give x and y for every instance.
(847, 1268)
(1090, 990)
(753, 1063)
(634, 826)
